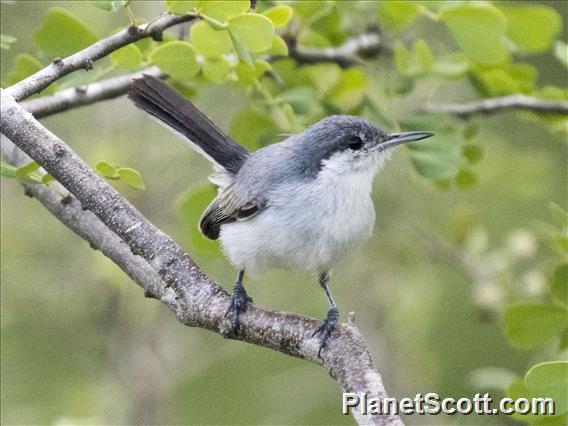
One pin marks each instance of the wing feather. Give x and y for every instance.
(227, 207)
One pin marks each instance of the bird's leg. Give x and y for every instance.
(330, 322)
(238, 302)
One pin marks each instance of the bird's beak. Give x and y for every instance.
(395, 139)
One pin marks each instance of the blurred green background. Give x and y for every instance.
(81, 345)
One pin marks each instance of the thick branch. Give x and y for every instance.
(196, 299)
(349, 53)
(85, 95)
(85, 58)
(491, 105)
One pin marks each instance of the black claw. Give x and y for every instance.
(326, 327)
(237, 305)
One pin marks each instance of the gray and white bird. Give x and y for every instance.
(300, 204)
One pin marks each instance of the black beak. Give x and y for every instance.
(395, 139)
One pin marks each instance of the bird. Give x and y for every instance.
(301, 204)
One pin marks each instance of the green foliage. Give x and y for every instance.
(181, 7)
(62, 33)
(129, 176)
(529, 325)
(479, 29)
(439, 158)
(279, 15)
(24, 66)
(223, 10)
(533, 27)
(209, 42)
(397, 14)
(548, 380)
(189, 207)
(27, 173)
(254, 32)
(129, 57)
(176, 58)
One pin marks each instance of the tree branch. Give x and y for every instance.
(491, 105)
(85, 58)
(364, 45)
(196, 299)
(85, 95)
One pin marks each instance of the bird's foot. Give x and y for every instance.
(237, 305)
(326, 327)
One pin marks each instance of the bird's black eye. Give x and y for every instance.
(355, 142)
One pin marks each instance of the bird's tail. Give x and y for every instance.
(168, 106)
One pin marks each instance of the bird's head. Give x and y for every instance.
(345, 143)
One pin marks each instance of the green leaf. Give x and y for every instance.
(530, 325)
(242, 51)
(223, 10)
(533, 27)
(24, 66)
(131, 177)
(107, 5)
(549, 380)
(472, 153)
(423, 55)
(253, 129)
(209, 42)
(279, 15)
(47, 179)
(62, 34)
(6, 40)
(513, 78)
(349, 91)
(479, 29)
(181, 7)
(189, 208)
(129, 57)
(438, 158)
(215, 70)
(27, 169)
(253, 31)
(7, 170)
(176, 58)
(279, 47)
(106, 170)
(466, 179)
(470, 130)
(397, 14)
(451, 67)
(559, 283)
(249, 73)
(302, 99)
(401, 57)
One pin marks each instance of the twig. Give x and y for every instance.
(491, 105)
(196, 299)
(349, 53)
(85, 95)
(85, 58)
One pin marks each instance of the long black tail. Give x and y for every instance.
(158, 99)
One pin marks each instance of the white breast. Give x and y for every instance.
(308, 227)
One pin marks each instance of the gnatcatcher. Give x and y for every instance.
(301, 204)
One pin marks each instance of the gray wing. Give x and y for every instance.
(227, 207)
